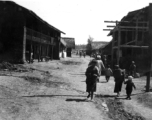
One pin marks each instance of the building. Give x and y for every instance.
(25, 36)
(96, 45)
(80, 47)
(63, 45)
(132, 40)
(70, 44)
(106, 52)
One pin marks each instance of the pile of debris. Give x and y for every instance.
(117, 112)
(6, 66)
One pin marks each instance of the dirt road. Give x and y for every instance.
(55, 90)
(47, 91)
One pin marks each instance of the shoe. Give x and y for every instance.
(88, 96)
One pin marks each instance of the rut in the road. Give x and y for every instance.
(116, 109)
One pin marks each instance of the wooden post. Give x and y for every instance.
(150, 46)
(136, 33)
(48, 46)
(40, 46)
(112, 51)
(52, 54)
(118, 50)
(143, 32)
(126, 33)
(133, 36)
(24, 46)
(57, 48)
(30, 50)
(39, 54)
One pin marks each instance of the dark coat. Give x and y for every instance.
(92, 74)
(129, 86)
(119, 78)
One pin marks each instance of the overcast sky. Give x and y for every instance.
(80, 19)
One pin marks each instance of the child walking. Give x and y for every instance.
(108, 73)
(129, 87)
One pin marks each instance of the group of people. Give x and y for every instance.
(119, 78)
(81, 53)
(93, 73)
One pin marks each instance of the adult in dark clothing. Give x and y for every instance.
(92, 74)
(132, 69)
(118, 78)
(129, 87)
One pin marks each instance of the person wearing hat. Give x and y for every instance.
(129, 87)
(92, 74)
(117, 73)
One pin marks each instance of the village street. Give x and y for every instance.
(55, 90)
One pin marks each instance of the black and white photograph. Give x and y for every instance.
(75, 59)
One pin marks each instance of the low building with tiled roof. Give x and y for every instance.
(96, 45)
(80, 47)
(70, 44)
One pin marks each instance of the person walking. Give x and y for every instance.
(129, 87)
(100, 65)
(117, 73)
(108, 73)
(92, 74)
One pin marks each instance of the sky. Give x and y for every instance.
(80, 19)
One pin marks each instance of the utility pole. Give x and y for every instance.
(150, 47)
(119, 39)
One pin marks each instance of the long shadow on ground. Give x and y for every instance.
(76, 100)
(105, 96)
(54, 96)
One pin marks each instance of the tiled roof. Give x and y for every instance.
(131, 16)
(80, 47)
(106, 49)
(32, 13)
(63, 42)
(98, 44)
(70, 42)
